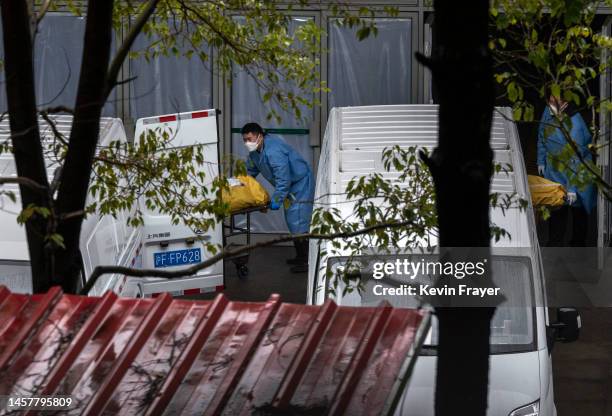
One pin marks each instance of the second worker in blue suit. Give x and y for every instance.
(552, 142)
(292, 179)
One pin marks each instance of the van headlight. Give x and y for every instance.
(532, 409)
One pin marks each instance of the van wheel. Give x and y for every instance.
(243, 271)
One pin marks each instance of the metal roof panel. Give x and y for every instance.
(151, 356)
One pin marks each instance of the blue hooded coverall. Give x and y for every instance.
(553, 145)
(291, 177)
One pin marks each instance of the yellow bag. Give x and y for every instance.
(545, 192)
(245, 192)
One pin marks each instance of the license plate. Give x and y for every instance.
(177, 257)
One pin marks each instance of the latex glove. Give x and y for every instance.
(274, 206)
(541, 170)
(571, 198)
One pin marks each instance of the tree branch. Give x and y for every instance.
(25, 136)
(20, 180)
(74, 214)
(115, 66)
(57, 109)
(44, 8)
(234, 45)
(101, 270)
(84, 134)
(54, 129)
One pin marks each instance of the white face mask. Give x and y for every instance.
(252, 146)
(555, 109)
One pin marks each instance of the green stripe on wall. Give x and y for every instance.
(295, 132)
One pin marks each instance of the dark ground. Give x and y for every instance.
(268, 274)
(582, 370)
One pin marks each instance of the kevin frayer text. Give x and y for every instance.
(411, 270)
(428, 290)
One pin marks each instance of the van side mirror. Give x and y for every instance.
(567, 327)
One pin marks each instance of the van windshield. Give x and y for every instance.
(512, 327)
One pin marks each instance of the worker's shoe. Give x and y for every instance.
(299, 268)
(300, 261)
(294, 261)
(301, 253)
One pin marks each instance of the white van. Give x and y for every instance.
(109, 240)
(104, 240)
(521, 380)
(176, 247)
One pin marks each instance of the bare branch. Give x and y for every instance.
(228, 41)
(115, 66)
(57, 109)
(125, 81)
(70, 215)
(66, 81)
(20, 180)
(44, 8)
(101, 270)
(54, 129)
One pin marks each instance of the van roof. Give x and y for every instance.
(355, 137)
(13, 245)
(63, 124)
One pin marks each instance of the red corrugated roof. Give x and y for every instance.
(152, 356)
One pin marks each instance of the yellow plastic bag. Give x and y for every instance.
(545, 192)
(245, 192)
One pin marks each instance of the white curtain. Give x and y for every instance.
(168, 84)
(3, 105)
(57, 59)
(248, 106)
(58, 52)
(374, 71)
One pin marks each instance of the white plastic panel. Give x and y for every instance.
(197, 127)
(375, 70)
(377, 127)
(173, 83)
(103, 240)
(110, 129)
(17, 276)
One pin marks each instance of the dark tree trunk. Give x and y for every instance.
(25, 136)
(74, 181)
(462, 166)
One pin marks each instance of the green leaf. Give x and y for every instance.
(512, 92)
(555, 90)
(57, 239)
(363, 32)
(517, 113)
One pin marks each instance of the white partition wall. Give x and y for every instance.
(169, 84)
(373, 71)
(248, 106)
(58, 50)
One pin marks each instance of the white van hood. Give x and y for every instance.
(514, 381)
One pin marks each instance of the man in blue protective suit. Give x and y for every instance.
(293, 184)
(551, 142)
